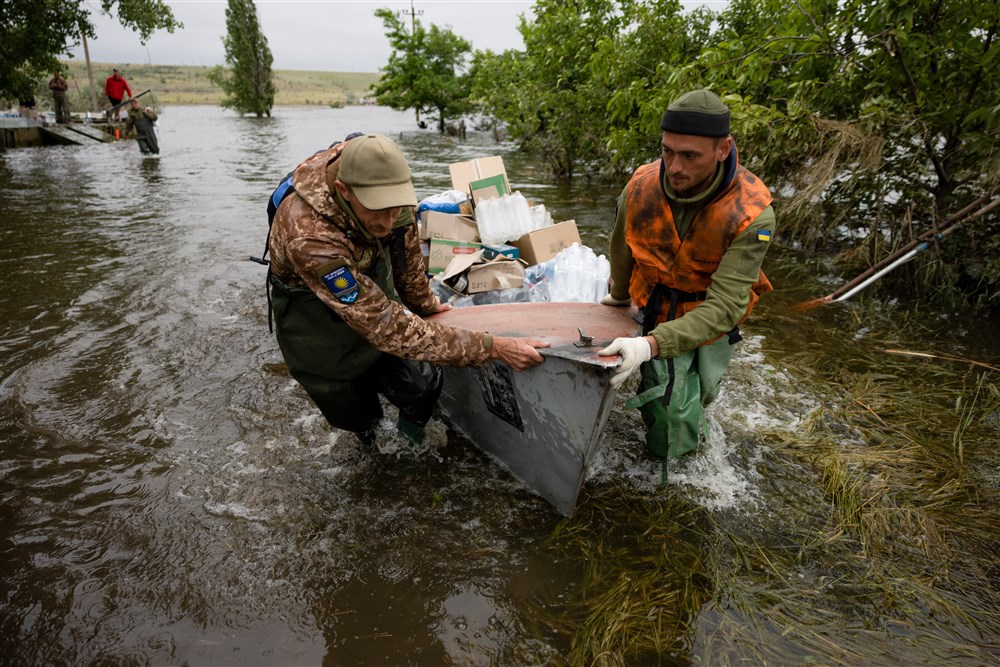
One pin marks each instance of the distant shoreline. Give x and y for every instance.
(189, 84)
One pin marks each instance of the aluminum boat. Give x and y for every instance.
(544, 424)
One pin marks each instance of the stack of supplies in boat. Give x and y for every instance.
(484, 243)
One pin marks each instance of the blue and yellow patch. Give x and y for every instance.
(342, 283)
(764, 235)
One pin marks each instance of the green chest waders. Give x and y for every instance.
(673, 392)
(313, 339)
(343, 373)
(324, 354)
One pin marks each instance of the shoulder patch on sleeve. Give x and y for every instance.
(337, 277)
(764, 235)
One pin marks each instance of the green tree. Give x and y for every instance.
(35, 33)
(871, 119)
(547, 94)
(641, 68)
(424, 71)
(249, 85)
(877, 120)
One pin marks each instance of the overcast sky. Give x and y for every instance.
(324, 35)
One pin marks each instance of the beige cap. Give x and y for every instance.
(377, 172)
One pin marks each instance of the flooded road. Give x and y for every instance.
(169, 495)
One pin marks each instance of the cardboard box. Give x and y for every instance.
(472, 273)
(492, 187)
(491, 251)
(464, 173)
(496, 274)
(443, 251)
(543, 244)
(437, 225)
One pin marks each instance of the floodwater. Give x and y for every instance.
(169, 495)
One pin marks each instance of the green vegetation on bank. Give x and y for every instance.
(423, 70)
(871, 120)
(34, 34)
(186, 84)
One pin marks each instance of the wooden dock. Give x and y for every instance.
(81, 135)
(74, 134)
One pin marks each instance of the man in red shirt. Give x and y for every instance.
(115, 88)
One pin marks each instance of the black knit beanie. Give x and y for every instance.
(699, 112)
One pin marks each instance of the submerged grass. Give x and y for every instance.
(643, 578)
(877, 544)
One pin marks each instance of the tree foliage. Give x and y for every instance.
(547, 94)
(425, 70)
(871, 119)
(35, 33)
(248, 84)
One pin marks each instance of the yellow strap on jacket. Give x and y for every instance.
(687, 265)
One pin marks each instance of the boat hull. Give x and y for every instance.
(544, 424)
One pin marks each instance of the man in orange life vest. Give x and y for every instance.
(691, 232)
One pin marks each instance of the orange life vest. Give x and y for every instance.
(687, 265)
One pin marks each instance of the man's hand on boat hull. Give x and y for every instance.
(634, 352)
(518, 353)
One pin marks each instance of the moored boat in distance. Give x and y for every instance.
(544, 424)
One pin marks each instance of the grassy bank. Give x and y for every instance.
(181, 84)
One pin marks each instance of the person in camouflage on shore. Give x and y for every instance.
(349, 291)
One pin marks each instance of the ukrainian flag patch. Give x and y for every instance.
(764, 235)
(342, 283)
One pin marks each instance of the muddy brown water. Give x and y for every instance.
(168, 494)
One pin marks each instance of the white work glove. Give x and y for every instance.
(609, 300)
(634, 351)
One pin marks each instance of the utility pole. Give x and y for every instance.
(90, 71)
(413, 13)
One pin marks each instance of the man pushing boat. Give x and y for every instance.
(690, 234)
(349, 293)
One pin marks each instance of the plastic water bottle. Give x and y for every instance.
(509, 218)
(588, 271)
(601, 280)
(578, 274)
(500, 215)
(483, 221)
(574, 271)
(540, 217)
(523, 214)
(489, 221)
(557, 291)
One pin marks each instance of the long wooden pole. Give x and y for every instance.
(124, 102)
(957, 218)
(414, 13)
(90, 72)
(904, 254)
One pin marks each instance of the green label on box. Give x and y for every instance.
(498, 182)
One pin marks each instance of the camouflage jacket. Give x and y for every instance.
(58, 85)
(312, 234)
(143, 118)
